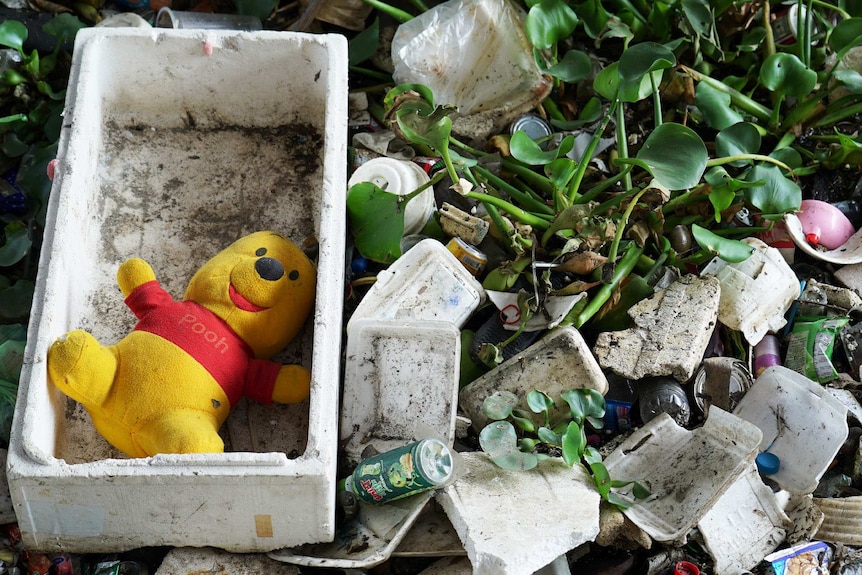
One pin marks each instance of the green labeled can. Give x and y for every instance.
(401, 472)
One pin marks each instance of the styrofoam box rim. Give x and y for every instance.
(317, 465)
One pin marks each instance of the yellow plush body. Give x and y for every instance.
(168, 386)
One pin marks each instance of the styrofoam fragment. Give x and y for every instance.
(558, 362)
(744, 525)
(755, 293)
(671, 332)
(842, 520)
(495, 511)
(185, 560)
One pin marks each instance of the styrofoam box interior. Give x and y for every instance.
(175, 143)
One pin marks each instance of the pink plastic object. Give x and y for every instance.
(823, 224)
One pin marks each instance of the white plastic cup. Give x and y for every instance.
(400, 177)
(167, 18)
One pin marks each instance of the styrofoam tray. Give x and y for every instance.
(801, 422)
(427, 283)
(696, 468)
(400, 384)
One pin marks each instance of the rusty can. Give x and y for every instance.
(470, 256)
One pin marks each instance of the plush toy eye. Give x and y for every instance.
(260, 252)
(293, 275)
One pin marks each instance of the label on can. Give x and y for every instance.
(470, 256)
(401, 472)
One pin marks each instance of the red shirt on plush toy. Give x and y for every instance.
(168, 386)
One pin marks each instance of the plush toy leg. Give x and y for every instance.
(292, 385)
(180, 431)
(82, 368)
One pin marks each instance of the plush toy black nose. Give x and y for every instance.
(269, 268)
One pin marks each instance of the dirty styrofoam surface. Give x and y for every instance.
(745, 524)
(400, 384)
(842, 520)
(696, 468)
(561, 360)
(163, 158)
(427, 283)
(801, 423)
(517, 522)
(849, 253)
(755, 293)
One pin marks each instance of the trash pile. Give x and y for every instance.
(604, 305)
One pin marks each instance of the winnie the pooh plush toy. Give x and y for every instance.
(168, 386)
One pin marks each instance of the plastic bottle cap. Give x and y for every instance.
(767, 463)
(812, 239)
(686, 568)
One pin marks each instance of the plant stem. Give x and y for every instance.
(521, 215)
(757, 157)
(613, 202)
(627, 263)
(769, 41)
(656, 104)
(466, 148)
(834, 8)
(392, 11)
(838, 115)
(542, 183)
(525, 200)
(623, 142)
(605, 184)
(371, 73)
(419, 5)
(588, 154)
(739, 99)
(615, 244)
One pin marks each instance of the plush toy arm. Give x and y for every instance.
(134, 273)
(292, 385)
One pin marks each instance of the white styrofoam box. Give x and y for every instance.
(400, 384)
(745, 524)
(802, 423)
(175, 143)
(427, 283)
(697, 467)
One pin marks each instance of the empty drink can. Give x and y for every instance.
(408, 470)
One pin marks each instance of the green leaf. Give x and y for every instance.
(15, 301)
(574, 67)
(431, 129)
(607, 82)
(850, 79)
(729, 250)
(618, 501)
(526, 150)
(638, 63)
(584, 403)
(560, 171)
(539, 401)
(376, 221)
(776, 194)
(499, 405)
(548, 436)
(527, 444)
(17, 244)
(13, 34)
(548, 22)
(699, 15)
(785, 74)
(364, 44)
(721, 194)
(639, 490)
(846, 34)
(424, 92)
(739, 138)
(591, 112)
(674, 155)
(33, 178)
(500, 441)
(64, 27)
(715, 107)
(574, 442)
(593, 15)
(524, 423)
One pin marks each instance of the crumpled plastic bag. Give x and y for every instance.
(473, 54)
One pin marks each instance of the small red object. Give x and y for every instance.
(686, 568)
(812, 239)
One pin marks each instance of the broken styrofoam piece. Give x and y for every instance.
(685, 471)
(167, 179)
(427, 283)
(556, 307)
(366, 540)
(382, 406)
(560, 361)
(850, 276)
(842, 520)
(744, 525)
(431, 536)
(849, 253)
(495, 511)
(756, 292)
(802, 424)
(671, 331)
(804, 515)
(209, 560)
